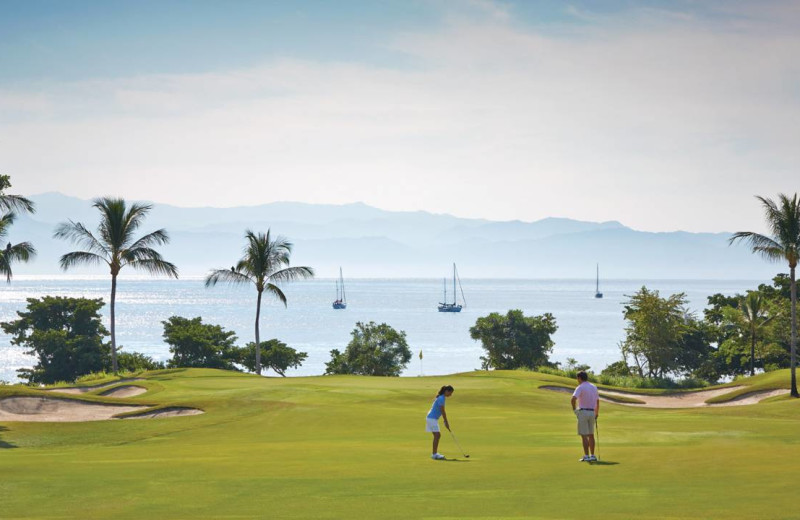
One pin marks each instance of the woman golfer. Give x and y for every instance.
(432, 420)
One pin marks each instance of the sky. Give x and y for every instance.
(661, 115)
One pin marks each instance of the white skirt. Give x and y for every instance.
(431, 425)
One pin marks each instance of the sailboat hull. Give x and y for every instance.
(449, 307)
(339, 305)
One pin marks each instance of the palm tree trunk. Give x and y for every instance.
(794, 334)
(113, 328)
(258, 338)
(752, 352)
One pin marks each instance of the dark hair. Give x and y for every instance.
(442, 390)
(582, 376)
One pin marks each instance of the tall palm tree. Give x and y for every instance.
(265, 263)
(755, 318)
(10, 205)
(783, 221)
(116, 246)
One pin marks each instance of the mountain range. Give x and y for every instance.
(369, 242)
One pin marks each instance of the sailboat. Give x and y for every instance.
(341, 299)
(452, 307)
(597, 293)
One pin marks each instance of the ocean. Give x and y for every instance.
(589, 329)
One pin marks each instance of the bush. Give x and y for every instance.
(514, 340)
(65, 334)
(274, 354)
(375, 350)
(195, 344)
(137, 362)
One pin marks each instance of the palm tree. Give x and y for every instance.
(265, 263)
(755, 318)
(783, 221)
(11, 254)
(10, 204)
(116, 247)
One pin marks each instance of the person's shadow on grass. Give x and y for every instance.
(3, 444)
(603, 463)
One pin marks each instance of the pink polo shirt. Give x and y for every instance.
(587, 395)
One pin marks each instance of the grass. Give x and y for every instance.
(355, 447)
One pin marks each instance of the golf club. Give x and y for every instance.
(597, 437)
(457, 444)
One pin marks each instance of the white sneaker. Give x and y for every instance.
(592, 458)
(585, 458)
(437, 456)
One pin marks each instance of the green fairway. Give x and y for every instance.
(355, 447)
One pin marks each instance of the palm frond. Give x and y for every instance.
(230, 276)
(21, 252)
(76, 258)
(5, 222)
(155, 266)
(156, 238)
(17, 203)
(760, 244)
(77, 233)
(292, 273)
(275, 291)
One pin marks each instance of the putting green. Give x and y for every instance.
(355, 447)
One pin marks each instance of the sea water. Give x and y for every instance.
(589, 329)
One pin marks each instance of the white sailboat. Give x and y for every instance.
(597, 293)
(452, 307)
(341, 298)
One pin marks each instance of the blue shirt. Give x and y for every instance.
(436, 409)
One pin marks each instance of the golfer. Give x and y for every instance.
(432, 420)
(588, 408)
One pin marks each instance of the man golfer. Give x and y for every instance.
(587, 400)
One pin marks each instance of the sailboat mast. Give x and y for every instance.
(597, 285)
(341, 281)
(455, 300)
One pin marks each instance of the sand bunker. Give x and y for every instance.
(125, 391)
(46, 409)
(174, 411)
(84, 389)
(683, 399)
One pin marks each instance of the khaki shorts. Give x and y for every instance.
(585, 422)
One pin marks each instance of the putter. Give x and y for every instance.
(457, 444)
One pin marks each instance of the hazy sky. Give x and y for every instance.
(662, 115)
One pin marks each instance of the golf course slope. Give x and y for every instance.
(355, 447)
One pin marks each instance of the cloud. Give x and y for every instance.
(661, 122)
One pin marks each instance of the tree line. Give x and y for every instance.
(662, 339)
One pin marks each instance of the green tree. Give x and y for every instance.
(755, 319)
(197, 344)
(783, 221)
(265, 264)
(10, 205)
(654, 333)
(65, 334)
(274, 354)
(374, 350)
(514, 340)
(117, 247)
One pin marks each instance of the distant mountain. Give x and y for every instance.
(369, 242)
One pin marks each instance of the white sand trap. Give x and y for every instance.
(46, 409)
(683, 399)
(125, 391)
(174, 411)
(84, 389)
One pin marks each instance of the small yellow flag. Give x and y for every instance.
(420, 354)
